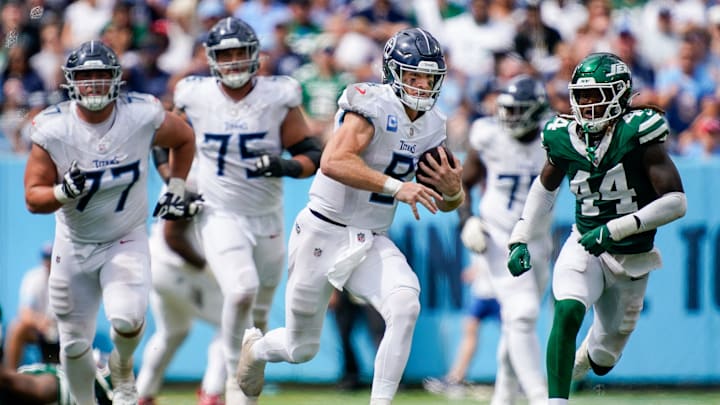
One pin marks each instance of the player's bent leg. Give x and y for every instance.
(400, 310)
(567, 320)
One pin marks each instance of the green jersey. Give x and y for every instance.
(103, 387)
(612, 181)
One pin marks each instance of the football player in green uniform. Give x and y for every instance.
(625, 187)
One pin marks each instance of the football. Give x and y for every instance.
(424, 158)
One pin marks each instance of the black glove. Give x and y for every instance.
(73, 184)
(274, 166)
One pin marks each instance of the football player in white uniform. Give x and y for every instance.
(506, 156)
(339, 240)
(242, 124)
(184, 289)
(89, 165)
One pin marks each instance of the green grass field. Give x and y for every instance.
(315, 395)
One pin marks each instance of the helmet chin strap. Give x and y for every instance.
(589, 148)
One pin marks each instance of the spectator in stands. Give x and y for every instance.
(83, 20)
(283, 59)
(624, 45)
(264, 16)
(535, 40)
(556, 84)
(322, 83)
(156, 79)
(473, 38)
(23, 96)
(379, 21)
(659, 38)
(35, 323)
(566, 16)
(684, 89)
(47, 62)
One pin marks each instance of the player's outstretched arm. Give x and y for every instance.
(539, 203)
(341, 161)
(29, 389)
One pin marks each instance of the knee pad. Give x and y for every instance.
(306, 301)
(630, 318)
(242, 299)
(303, 352)
(127, 326)
(402, 306)
(76, 348)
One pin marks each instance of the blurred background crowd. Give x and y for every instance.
(672, 47)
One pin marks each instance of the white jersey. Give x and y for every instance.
(231, 135)
(511, 168)
(395, 149)
(114, 157)
(34, 290)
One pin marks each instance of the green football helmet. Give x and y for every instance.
(600, 91)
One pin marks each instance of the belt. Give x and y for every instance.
(326, 219)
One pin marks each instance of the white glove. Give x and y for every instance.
(473, 235)
(171, 205)
(72, 186)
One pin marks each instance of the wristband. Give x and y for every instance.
(392, 186)
(291, 168)
(454, 197)
(176, 186)
(60, 194)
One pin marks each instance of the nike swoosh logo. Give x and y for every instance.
(361, 91)
(124, 241)
(599, 239)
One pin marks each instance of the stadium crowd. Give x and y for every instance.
(672, 47)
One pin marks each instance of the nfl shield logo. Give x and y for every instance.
(361, 237)
(317, 252)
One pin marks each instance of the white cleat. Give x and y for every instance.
(123, 381)
(235, 396)
(250, 372)
(582, 361)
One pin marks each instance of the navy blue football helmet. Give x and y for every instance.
(230, 33)
(414, 50)
(521, 105)
(93, 55)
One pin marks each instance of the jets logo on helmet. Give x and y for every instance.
(414, 51)
(234, 68)
(600, 91)
(93, 92)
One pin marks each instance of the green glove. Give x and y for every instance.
(519, 259)
(597, 241)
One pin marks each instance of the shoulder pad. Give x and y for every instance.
(360, 98)
(557, 126)
(482, 132)
(648, 125)
(286, 87)
(135, 97)
(185, 88)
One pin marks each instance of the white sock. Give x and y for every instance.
(557, 401)
(124, 345)
(80, 373)
(213, 381)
